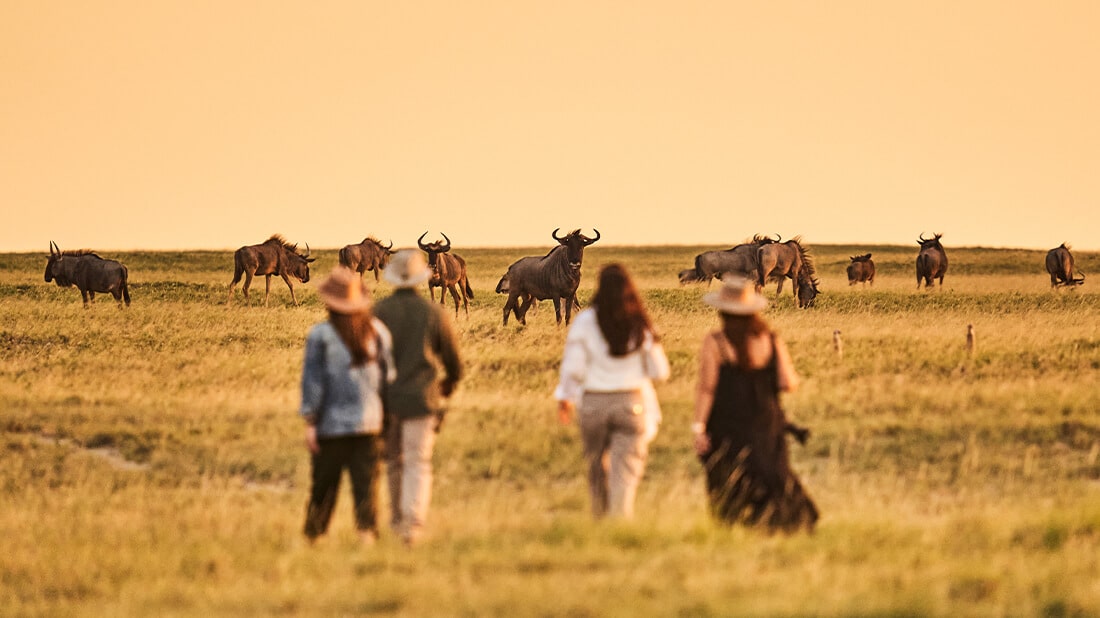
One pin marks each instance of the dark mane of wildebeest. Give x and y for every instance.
(931, 261)
(1060, 267)
(370, 254)
(738, 260)
(790, 260)
(861, 269)
(448, 272)
(89, 273)
(554, 276)
(274, 256)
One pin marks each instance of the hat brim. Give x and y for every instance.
(725, 305)
(343, 305)
(397, 280)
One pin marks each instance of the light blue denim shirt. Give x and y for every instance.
(336, 394)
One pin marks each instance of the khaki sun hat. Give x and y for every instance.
(343, 291)
(737, 297)
(407, 268)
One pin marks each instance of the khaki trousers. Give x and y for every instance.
(409, 446)
(615, 450)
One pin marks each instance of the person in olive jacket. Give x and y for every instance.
(425, 350)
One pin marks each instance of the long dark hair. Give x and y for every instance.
(619, 311)
(355, 330)
(738, 329)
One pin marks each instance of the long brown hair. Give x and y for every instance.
(619, 311)
(738, 329)
(355, 330)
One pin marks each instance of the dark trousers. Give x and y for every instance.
(362, 456)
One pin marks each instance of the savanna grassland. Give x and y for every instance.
(153, 460)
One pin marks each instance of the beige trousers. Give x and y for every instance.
(409, 446)
(613, 432)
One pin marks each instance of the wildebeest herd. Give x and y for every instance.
(554, 276)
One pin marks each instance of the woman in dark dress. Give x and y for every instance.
(740, 429)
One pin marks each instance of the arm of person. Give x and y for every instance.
(446, 346)
(656, 361)
(709, 357)
(574, 364)
(313, 385)
(788, 377)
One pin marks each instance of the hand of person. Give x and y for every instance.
(702, 443)
(446, 388)
(565, 412)
(311, 439)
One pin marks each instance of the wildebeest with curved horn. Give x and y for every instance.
(739, 260)
(931, 261)
(788, 260)
(448, 272)
(1060, 267)
(554, 276)
(370, 254)
(274, 256)
(89, 273)
(861, 269)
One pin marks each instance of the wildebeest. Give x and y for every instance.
(370, 254)
(448, 272)
(740, 260)
(861, 269)
(554, 276)
(931, 261)
(89, 273)
(790, 260)
(274, 256)
(1060, 267)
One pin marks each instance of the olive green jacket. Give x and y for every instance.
(425, 351)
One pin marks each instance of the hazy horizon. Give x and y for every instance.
(182, 125)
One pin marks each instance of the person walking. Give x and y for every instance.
(428, 366)
(611, 354)
(739, 427)
(347, 361)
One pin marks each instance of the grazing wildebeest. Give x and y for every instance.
(448, 272)
(740, 260)
(89, 273)
(274, 256)
(931, 261)
(370, 254)
(790, 260)
(554, 276)
(1060, 267)
(861, 270)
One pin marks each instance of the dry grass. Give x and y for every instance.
(948, 484)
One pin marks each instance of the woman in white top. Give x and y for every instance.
(611, 354)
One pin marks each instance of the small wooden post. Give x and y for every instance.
(970, 340)
(838, 345)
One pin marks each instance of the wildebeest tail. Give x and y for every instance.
(469, 292)
(125, 285)
(500, 284)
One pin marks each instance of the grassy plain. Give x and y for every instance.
(153, 465)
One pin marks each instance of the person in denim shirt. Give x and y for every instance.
(348, 360)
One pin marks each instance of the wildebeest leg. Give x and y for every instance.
(289, 286)
(91, 297)
(510, 306)
(84, 297)
(557, 308)
(375, 269)
(454, 295)
(779, 288)
(267, 287)
(569, 302)
(521, 311)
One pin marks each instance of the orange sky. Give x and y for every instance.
(211, 124)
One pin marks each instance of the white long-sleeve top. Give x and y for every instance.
(587, 364)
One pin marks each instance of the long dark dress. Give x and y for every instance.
(749, 477)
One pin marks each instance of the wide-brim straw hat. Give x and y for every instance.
(343, 291)
(407, 268)
(737, 296)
